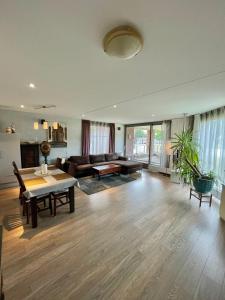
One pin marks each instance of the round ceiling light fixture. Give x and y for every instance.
(124, 42)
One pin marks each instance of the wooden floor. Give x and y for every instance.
(142, 240)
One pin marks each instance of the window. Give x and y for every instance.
(99, 138)
(145, 143)
(137, 143)
(210, 133)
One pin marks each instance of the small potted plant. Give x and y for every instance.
(187, 163)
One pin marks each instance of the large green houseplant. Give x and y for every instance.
(187, 163)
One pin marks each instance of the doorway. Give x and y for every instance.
(144, 143)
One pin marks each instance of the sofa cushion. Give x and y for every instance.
(80, 160)
(111, 156)
(102, 163)
(127, 163)
(84, 167)
(97, 158)
(123, 157)
(116, 162)
(71, 168)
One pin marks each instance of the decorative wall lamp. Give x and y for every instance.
(44, 124)
(55, 125)
(36, 125)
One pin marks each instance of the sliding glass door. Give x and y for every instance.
(144, 143)
(156, 145)
(141, 143)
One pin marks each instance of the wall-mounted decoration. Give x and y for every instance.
(57, 135)
(11, 129)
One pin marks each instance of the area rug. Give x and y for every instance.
(91, 185)
(11, 222)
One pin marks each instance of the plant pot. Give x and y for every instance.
(203, 185)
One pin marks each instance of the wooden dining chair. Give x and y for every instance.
(21, 191)
(15, 166)
(26, 202)
(61, 198)
(58, 163)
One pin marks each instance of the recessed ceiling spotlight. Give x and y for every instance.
(114, 106)
(32, 85)
(21, 106)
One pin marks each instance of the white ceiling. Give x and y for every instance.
(58, 45)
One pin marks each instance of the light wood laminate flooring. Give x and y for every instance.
(142, 240)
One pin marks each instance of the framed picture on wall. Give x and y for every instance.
(58, 137)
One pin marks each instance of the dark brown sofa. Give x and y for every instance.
(82, 165)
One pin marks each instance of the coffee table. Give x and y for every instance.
(106, 169)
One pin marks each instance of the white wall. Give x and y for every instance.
(24, 131)
(9, 151)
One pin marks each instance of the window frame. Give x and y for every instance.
(150, 124)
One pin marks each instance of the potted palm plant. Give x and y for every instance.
(187, 163)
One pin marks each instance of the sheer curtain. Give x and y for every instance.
(209, 132)
(99, 138)
(166, 137)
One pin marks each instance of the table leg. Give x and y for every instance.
(200, 198)
(72, 199)
(33, 204)
(210, 201)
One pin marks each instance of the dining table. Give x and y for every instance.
(38, 184)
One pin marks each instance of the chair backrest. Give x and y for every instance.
(15, 166)
(20, 180)
(71, 169)
(58, 163)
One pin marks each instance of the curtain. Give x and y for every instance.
(166, 144)
(111, 138)
(85, 137)
(180, 124)
(99, 138)
(209, 133)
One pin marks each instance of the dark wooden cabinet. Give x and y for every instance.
(29, 155)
